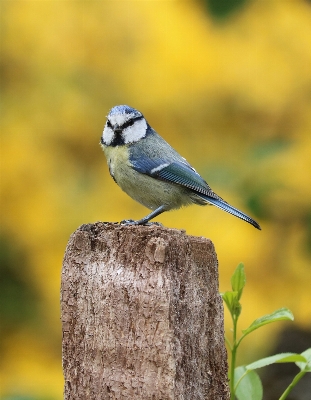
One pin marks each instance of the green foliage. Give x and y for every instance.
(277, 358)
(224, 8)
(18, 298)
(278, 315)
(238, 280)
(270, 148)
(232, 298)
(245, 383)
(251, 388)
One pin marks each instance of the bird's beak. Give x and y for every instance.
(117, 129)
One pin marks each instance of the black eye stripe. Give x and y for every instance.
(126, 124)
(131, 122)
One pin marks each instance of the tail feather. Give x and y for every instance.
(231, 210)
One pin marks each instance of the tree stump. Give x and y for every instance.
(141, 315)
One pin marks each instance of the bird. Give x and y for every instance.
(150, 171)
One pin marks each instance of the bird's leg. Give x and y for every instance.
(146, 219)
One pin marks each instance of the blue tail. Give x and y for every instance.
(231, 210)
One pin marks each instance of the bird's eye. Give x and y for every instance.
(128, 123)
(109, 124)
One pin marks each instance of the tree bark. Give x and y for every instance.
(141, 314)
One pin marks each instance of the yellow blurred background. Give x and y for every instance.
(227, 84)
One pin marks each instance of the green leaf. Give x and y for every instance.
(229, 298)
(238, 280)
(232, 302)
(305, 366)
(277, 358)
(249, 385)
(278, 315)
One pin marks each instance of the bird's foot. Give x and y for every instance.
(128, 222)
(155, 223)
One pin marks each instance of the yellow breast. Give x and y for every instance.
(148, 191)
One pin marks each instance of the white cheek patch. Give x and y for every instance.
(135, 132)
(108, 135)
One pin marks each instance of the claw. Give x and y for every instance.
(155, 223)
(128, 222)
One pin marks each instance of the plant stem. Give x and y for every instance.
(233, 357)
(228, 343)
(292, 384)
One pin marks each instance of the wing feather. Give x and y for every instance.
(181, 173)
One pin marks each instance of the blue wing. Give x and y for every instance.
(181, 173)
(175, 172)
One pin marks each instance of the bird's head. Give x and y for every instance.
(124, 125)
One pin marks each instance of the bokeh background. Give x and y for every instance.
(226, 82)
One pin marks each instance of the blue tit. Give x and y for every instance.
(149, 170)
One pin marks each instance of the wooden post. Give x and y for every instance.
(141, 314)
